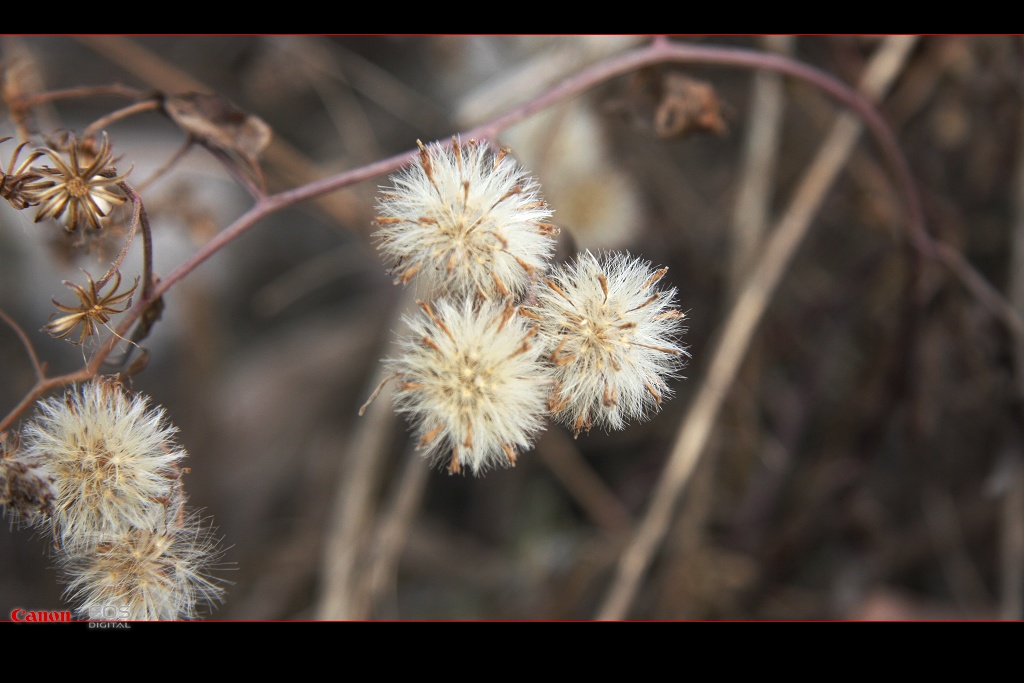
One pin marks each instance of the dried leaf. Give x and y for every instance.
(221, 127)
(687, 106)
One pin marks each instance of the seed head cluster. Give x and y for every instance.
(100, 468)
(115, 503)
(507, 339)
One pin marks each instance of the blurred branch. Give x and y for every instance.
(739, 328)
(946, 532)
(391, 535)
(381, 87)
(349, 538)
(1011, 550)
(118, 90)
(167, 165)
(757, 170)
(123, 113)
(620, 64)
(563, 458)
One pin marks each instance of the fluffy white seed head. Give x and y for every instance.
(465, 222)
(112, 459)
(612, 337)
(158, 574)
(472, 382)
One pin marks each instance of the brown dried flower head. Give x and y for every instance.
(81, 194)
(27, 489)
(93, 309)
(19, 185)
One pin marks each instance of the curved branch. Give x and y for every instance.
(117, 90)
(658, 52)
(627, 62)
(132, 109)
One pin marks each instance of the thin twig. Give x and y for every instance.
(148, 278)
(116, 265)
(41, 388)
(585, 80)
(139, 218)
(118, 90)
(168, 165)
(556, 450)
(123, 113)
(27, 343)
(757, 171)
(738, 330)
(348, 537)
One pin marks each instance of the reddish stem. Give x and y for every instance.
(658, 52)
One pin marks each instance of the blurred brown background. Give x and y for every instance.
(866, 463)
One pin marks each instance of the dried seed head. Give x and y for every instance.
(26, 488)
(161, 573)
(612, 337)
(93, 309)
(113, 461)
(466, 222)
(472, 382)
(20, 185)
(82, 188)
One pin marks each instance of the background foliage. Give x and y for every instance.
(867, 462)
